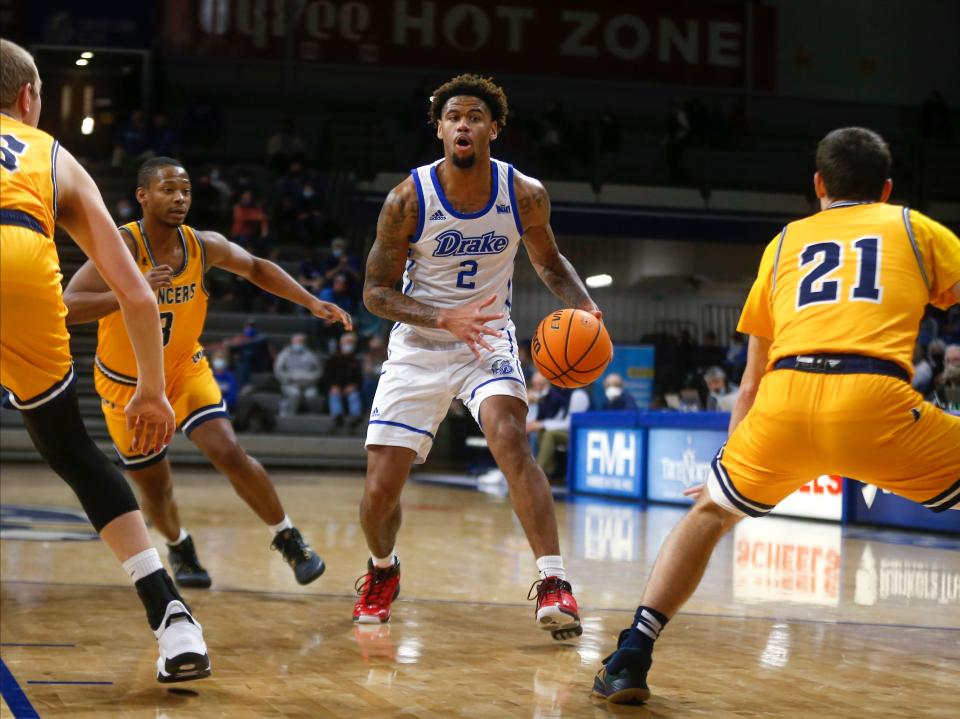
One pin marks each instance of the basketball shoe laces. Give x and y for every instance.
(374, 586)
(548, 590)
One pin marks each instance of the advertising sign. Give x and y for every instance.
(820, 498)
(607, 461)
(679, 459)
(778, 560)
(691, 42)
(870, 505)
(635, 364)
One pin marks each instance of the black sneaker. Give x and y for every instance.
(306, 563)
(623, 677)
(187, 571)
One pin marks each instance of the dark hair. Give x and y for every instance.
(483, 88)
(854, 163)
(149, 168)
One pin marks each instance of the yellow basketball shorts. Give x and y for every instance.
(35, 363)
(192, 390)
(869, 427)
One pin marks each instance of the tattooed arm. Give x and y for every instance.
(396, 225)
(554, 269)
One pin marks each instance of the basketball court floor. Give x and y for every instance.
(793, 619)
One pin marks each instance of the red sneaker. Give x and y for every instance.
(556, 608)
(376, 591)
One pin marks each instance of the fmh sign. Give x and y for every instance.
(608, 461)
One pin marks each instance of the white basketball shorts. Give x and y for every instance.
(421, 378)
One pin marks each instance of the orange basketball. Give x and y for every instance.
(571, 348)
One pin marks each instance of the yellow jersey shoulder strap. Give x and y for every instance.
(135, 233)
(196, 252)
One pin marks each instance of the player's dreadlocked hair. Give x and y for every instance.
(478, 86)
(149, 168)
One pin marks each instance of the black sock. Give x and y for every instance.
(156, 591)
(647, 625)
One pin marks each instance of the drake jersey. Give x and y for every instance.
(457, 258)
(852, 279)
(183, 311)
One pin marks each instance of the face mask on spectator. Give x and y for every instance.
(348, 347)
(336, 252)
(219, 364)
(307, 193)
(613, 392)
(297, 346)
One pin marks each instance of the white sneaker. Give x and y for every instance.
(493, 476)
(183, 653)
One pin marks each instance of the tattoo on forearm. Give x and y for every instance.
(563, 281)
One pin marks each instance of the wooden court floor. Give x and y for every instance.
(794, 619)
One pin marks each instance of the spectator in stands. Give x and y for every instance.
(343, 377)
(285, 146)
(250, 351)
(947, 392)
(250, 225)
(922, 370)
(617, 397)
(720, 393)
(297, 369)
(226, 380)
(373, 360)
(936, 352)
(123, 211)
(341, 262)
(133, 140)
(338, 292)
(736, 359)
(526, 361)
(552, 421)
(312, 269)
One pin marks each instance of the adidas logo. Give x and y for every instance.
(375, 413)
(438, 215)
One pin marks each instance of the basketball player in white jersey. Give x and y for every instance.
(451, 231)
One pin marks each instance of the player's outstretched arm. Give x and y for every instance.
(554, 269)
(758, 350)
(395, 226)
(267, 275)
(81, 213)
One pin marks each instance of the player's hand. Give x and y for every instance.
(160, 276)
(469, 324)
(593, 310)
(694, 491)
(330, 313)
(152, 421)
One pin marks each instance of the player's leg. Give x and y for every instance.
(218, 442)
(767, 457)
(412, 398)
(154, 480)
(155, 484)
(503, 418)
(58, 433)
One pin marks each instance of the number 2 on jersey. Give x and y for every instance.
(470, 271)
(816, 289)
(166, 326)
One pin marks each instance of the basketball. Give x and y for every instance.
(571, 348)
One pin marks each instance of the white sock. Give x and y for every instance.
(285, 524)
(143, 564)
(551, 565)
(179, 540)
(384, 562)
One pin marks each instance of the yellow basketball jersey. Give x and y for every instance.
(183, 310)
(28, 158)
(852, 279)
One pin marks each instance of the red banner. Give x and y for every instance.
(693, 41)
